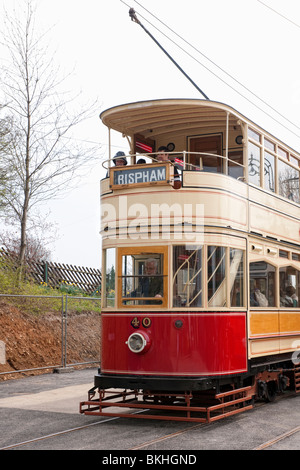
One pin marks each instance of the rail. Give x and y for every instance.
(206, 162)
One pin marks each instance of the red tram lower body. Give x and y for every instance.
(182, 348)
(192, 366)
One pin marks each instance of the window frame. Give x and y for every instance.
(143, 250)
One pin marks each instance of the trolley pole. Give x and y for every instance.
(134, 18)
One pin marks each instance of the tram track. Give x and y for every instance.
(56, 434)
(150, 442)
(278, 439)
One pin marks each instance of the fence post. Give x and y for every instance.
(62, 330)
(66, 318)
(46, 272)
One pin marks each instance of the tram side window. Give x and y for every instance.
(187, 276)
(262, 284)
(142, 279)
(289, 279)
(110, 256)
(236, 278)
(216, 267)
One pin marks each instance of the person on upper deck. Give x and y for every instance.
(119, 159)
(163, 156)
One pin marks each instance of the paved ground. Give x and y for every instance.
(37, 407)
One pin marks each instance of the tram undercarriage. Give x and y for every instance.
(204, 400)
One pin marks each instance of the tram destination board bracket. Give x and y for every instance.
(141, 175)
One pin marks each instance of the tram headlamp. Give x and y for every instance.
(138, 342)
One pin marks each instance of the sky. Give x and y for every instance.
(113, 60)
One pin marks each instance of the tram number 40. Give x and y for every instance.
(136, 322)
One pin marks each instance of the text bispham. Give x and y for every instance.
(135, 176)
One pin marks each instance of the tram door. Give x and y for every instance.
(211, 144)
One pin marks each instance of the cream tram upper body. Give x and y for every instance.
(228, 239)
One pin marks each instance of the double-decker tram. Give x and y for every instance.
(201, 264)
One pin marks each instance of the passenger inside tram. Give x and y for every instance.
(289, 297)
(257, 298)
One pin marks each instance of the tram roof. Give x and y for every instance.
(158, 117)
(155, 118)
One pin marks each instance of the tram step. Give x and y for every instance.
(178, 407)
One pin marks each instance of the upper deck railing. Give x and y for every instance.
(281, 179)
(202, 161)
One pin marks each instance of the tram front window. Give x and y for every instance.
(187, 276)
(109, 298)
(142, 279)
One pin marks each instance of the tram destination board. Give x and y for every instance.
(140, 175)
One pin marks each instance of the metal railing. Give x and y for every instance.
(217, 163)
(64, 302)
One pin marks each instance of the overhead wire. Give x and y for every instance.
(221, 69)
(213, 73)
(280, 14)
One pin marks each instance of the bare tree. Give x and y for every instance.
(44, 157)
(5, 141)
(36, 248)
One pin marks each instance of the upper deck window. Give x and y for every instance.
(282, 153)
(294, 161)
(254, 163)
(288, 181)
(272, 167)
(254, 135)
(269, 145)
(269, 172)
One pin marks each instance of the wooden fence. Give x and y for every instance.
(67, 277)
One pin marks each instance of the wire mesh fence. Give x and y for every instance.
(48, 332)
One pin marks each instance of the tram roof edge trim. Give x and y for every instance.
(121, 118)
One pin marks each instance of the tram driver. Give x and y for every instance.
(151, 283)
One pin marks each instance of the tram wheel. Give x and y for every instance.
(271, 391)
(167, 400)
